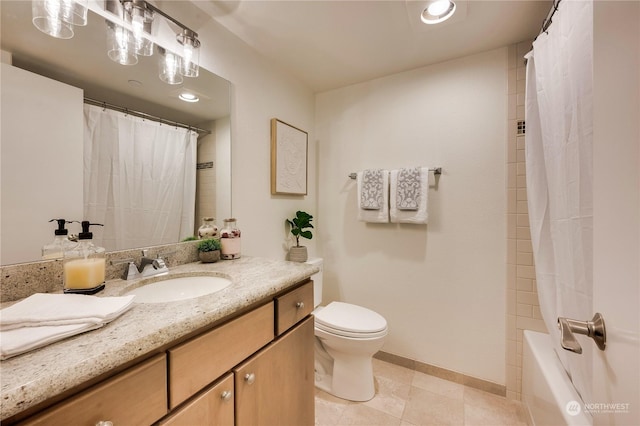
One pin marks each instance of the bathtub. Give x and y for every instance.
(547, 393)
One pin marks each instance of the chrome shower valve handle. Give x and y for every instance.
(594, 329)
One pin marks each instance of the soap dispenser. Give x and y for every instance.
(60, 244)
(84, 264)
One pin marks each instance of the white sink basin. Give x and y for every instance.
(179, 288)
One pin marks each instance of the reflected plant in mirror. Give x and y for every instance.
(47, 134)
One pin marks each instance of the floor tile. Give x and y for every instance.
(392, 372)
(437, 385)
(359, 414)
(390, 396)
(427, 408)
(406, 397)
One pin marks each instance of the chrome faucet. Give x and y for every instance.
(594, 329)
(148, 267)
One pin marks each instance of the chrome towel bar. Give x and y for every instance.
(435, 170)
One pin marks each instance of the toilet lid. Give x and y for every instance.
(351, 318)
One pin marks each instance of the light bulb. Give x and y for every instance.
(438, 7)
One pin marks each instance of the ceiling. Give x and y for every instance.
(331, 44)
(323, 43)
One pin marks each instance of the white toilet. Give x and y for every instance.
(347, 337)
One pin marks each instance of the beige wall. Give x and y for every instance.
(260, 92)
(441, 287)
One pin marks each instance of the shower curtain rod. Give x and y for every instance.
(144, 115)
(547, 21)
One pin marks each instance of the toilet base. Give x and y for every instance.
(351, 377)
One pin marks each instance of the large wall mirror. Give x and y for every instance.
(82, 62)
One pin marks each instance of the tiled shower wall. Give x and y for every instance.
(206, 178)
(523, 310)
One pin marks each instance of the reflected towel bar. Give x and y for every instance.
(435, 170)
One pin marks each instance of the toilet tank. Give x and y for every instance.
(317, 280)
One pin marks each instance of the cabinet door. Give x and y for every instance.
(214, 407)
(276, 385)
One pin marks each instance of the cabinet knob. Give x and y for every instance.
(104, 423)
(300, 305)
(226, 396)
(249, 378)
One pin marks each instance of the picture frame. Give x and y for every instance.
(289, 158)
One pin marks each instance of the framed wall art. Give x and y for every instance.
(288, 159)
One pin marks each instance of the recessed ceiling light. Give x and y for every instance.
(135, 83)
(438, 11)
(189, 97)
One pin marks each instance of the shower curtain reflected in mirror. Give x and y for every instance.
(139, 179)
(559, 167)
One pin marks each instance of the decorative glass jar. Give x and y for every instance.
(230, 239)
(208, 229)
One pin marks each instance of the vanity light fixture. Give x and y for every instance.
(188, 97)
(438, 11)
(57, 17)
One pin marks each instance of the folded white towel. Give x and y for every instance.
(419, 216)
(21, 340)
(382, 214)
(43, 309)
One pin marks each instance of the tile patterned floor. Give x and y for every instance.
(405, 397)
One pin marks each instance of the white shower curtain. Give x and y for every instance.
(559, 165)
(139, 179)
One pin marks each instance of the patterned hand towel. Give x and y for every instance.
(419, 216)
(371, 190)
(374, 216)
(408, 189)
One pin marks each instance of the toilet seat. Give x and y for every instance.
(345, 319)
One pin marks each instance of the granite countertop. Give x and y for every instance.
(35, 376)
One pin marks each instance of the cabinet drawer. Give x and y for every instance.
(137, 396)
(198, 362)
(293, 306)
(214, 407)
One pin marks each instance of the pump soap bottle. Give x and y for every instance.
(60, 244)
(84, 264)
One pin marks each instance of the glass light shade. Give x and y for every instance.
(170, 67)
(121, 45)
(141, 20)
(190, 53)
(47, 17)
(74, 12)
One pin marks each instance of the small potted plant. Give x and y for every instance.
(299, 228)
(209, 250)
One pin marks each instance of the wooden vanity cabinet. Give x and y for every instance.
(137, 396)
(256, 369)
(198, 362)
(276, 385)
(293, 306)
(214, 406)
